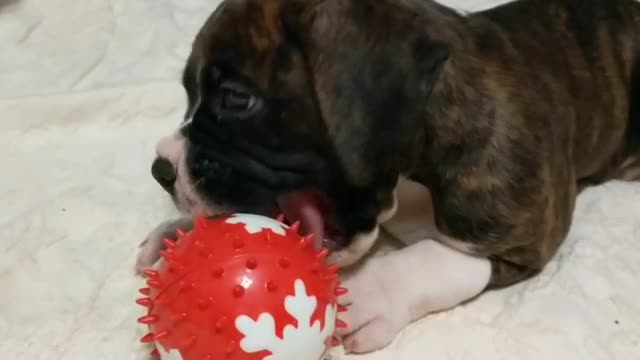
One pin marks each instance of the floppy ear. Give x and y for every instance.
(374, 65)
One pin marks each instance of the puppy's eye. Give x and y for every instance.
(233, 98)
(237, 101)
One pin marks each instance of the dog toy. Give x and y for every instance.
(242, 287)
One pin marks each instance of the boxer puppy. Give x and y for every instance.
(467, 138)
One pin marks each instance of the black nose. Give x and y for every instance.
(162, 170)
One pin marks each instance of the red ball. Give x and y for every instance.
(242, 287)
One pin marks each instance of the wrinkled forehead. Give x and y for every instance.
(243, 35)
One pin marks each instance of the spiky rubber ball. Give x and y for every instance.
(242, 287)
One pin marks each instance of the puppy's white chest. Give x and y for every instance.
(413, 220)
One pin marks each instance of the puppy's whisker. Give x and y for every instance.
(199, 182)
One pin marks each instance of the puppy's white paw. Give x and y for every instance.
(376, 311)
(150, 248)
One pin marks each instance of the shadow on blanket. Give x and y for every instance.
(7, 3)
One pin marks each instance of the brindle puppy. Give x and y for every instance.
(342, 113)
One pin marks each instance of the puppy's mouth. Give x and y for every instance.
(244, 182)
(312, 209)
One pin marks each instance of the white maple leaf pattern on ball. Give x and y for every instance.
(256, 223)
(172, 354)
(307, 341)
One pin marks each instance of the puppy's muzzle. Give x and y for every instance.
(164, 173)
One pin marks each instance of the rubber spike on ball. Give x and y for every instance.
(161, 335)
(200, 224)
(220, 325)
(268, 239)
(179, 317)
(341, 291)
(190, 342)
(167, 254)
(175, 264)
(148, 319)
(330, 277)
(204, 303)
(144, 291)
(295, 227)
(322, 254)
(180, 232)
(170, 244)
(217, 272)
(147, 339)
(146, 302)
(333, 269)
(231, 348)
(307, 241)
(154, 283)
(152, 274)
(186, 286)
(161, 301)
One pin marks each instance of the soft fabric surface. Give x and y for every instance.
(88, 86)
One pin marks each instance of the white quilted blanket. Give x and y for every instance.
(87, 87)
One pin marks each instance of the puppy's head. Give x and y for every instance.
(306, 107)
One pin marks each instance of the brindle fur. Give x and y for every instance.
(505, 115)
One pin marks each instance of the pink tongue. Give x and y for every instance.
(303, 206)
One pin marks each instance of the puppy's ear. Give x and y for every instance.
(374, 65)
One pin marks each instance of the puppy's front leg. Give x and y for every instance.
(150, 248)
(390, 292)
